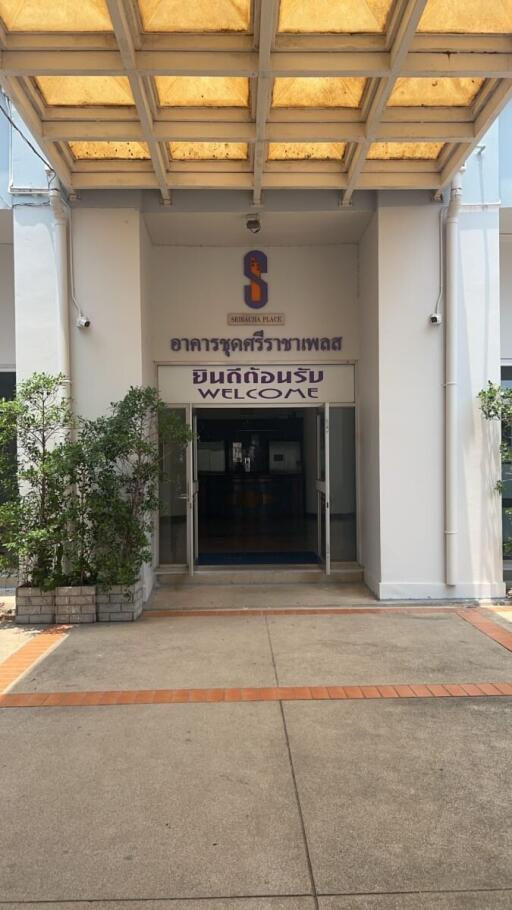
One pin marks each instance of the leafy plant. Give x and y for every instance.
(496, 404)
(33, 515)
(79, 508)
(127, 473)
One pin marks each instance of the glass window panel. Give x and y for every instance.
(431, 92)
(333, 15)
(109, 150)
(473, 16)
(56, 16)
(342, 454)
(173, 500)
(204, 151)
(202, 91)
(84, 90)
(405, 150)
(303, 151)
(318, 91)
(195, 16)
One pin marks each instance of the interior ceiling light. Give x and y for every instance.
(386, 151)
(487, 17)
(195, 15)
(304, 151)
(333, 15)
(318, 91)
(85, 90)
(109, 150)
(202, 91)
(444, 91)
(55, 15)
(209, 151)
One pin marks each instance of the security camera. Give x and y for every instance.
(83, 322)
(435, 319)
(253, 225)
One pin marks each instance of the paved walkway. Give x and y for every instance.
(334, 758)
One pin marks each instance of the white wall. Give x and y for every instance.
(368, 407)
(35, 282)
(480, 539)
(506, 296)
(7, 328)
(411, 397)
(194, 289)
(107, 357)
(411, 405)
(113, 353)
(146, 263)
(112, 264)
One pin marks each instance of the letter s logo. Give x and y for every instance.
(256, 292)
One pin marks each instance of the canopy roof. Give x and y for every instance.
(257, 94)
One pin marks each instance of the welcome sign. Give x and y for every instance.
(255, 385)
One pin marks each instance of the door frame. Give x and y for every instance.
(322, 486)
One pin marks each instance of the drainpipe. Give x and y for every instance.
(450, 382)
(61, 260)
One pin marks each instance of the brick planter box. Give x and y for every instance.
(34, 606)
(122, 603)
(75, 604)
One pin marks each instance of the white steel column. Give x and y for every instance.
(267, 31)
(60, 222)
(450, 382)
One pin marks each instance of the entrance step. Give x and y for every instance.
(349, 573)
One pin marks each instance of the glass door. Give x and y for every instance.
(173, 500)
(195, 493)
(178, 499)
(323, 488)
(192, 487)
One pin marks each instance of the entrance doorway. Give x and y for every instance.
(261, 487)
(252, 495)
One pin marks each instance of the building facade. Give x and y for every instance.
(307, 351)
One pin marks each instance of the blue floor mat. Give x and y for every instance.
(257, 559)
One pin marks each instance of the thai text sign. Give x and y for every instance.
(251, 385)
(257, 343)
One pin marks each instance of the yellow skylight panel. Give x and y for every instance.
(304, 151)
(109, 150)
(55, 15)
(209, 151)
(318, 91)
(195, 15)
(428, 91)
(405, 151)
(84, 90)
(333, 15)
(488, 17)
(203, 91)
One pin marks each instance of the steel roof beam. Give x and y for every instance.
(405, 32)
(124, 33)
(227, 131)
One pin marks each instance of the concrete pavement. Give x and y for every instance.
(364, 804)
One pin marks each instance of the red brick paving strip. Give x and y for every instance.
(25, 657)
(485, 624)
(267, 694)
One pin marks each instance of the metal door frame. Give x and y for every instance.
(192, 490)
(323, 487)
